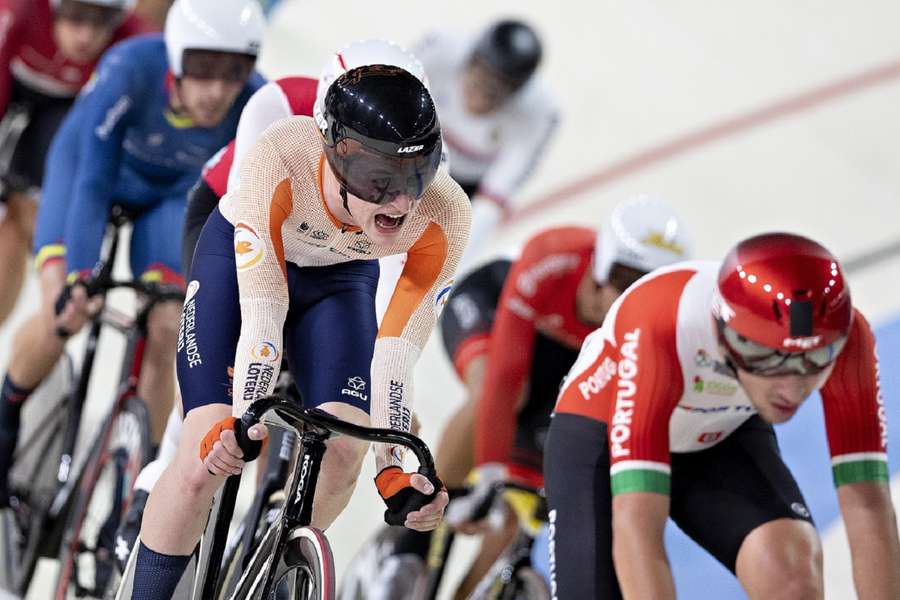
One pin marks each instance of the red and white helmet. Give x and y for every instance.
(783, 305)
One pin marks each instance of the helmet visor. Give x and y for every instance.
(767, 362)
(379, 178)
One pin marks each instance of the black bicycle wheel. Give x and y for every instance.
(34, 478)
(88, 554)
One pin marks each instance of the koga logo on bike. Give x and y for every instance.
(259, 377)
(626, 390)
(249, 249)
(355, 387)
(598, 379)
(187, 338)
(398, 415)
(301, 485)
(265, 352)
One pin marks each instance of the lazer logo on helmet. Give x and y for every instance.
(627, 388)
(410, 149)
(804, 343)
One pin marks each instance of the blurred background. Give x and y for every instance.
(746, 117)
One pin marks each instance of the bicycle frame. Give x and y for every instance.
(313, 427)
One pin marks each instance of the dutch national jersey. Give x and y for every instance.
(499, 150)
(280, 216)
(655, 375)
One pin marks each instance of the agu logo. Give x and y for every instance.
(265, 352)
(249, 249)
(440, 299)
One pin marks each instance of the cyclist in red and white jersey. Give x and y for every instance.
(669, 412)
(48, 50)
(498, 117)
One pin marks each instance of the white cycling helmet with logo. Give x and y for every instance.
(235, 26)
(361, 54)
(642, 234)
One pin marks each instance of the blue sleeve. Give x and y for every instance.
(103, 112)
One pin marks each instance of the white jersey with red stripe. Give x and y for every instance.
(279, 99)
(500, 149)
(655, 375)
(280, 216)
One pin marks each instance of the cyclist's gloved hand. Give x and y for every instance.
(476, 505)
(226, 446)
(412, 499)
(75, 305)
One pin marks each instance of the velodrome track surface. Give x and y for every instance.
(694, 99)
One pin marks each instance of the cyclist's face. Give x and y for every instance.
(382, 223)
(593, 300)
(483, 91)
(777, 398)
(81, 40)
(207, 101)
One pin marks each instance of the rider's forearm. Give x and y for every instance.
(639, 520)
(874, 545)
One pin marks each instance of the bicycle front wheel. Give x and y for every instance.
(307, 566)
(88, 555)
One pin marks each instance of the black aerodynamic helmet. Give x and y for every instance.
(510, 48)
(382, 134)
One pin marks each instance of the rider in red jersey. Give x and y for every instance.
(669, 411)
(48, 50)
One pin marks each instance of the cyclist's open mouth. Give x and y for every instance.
(389, 223)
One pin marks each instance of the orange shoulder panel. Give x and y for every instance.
(424, 261)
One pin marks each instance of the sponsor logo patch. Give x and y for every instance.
(265, 352)
(249, 249)
(602, 375)
(716, 388)
(440, 299)
(356, 387)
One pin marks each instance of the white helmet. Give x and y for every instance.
(360, 54)
(225, 25)
(125, 5)
(643, 233)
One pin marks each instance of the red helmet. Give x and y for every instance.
(783, 305)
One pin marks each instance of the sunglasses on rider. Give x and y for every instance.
(761, 360)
